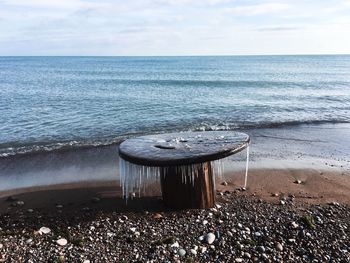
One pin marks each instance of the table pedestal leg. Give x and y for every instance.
(188, 188)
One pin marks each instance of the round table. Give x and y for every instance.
(183, 162)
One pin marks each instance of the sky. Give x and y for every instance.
(174, 27)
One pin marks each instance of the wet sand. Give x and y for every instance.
(304, 186)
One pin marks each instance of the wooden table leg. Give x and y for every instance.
(189, 186)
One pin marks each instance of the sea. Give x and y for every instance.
(54, 103)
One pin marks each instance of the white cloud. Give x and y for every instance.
(258, 9)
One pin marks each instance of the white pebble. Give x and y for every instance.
(294, 225)
(194, 252)
(62, 241)
(176, 244)
(210, 237)
(239, 259)
(181, 252)
(44, 230)
(279, 247)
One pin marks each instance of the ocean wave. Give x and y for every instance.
(7, 150)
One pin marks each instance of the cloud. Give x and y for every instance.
(258, 9)
(277, 28)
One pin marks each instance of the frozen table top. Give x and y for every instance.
(183, 148)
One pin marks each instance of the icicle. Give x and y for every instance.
(246, 169)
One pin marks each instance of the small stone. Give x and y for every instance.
(257, 234)
(275, 195)
(239, 260)
(201, 238)
(60, 259)
(297, 182)
(261, 249)
(86, 261)
(210, 237)
(224, 183)
(62, 241)
(157, 216)
(1, 246)
(176, 244)
(59, 206)
(282, 202)
(44, 230)
(291, 240)
(294, 225)
(28, 241)
(124, 217)
(279, 247)
(182, 252)
(193, 251)
(218, 206)
(203, 249)
(205, 222)
(30, 210)
(20, 203)
(247, 255)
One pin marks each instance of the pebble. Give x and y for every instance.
(62, 241)
(182, 252)
(1, 246)
(257, 234)
(239, 260)
(44, 230)
(203, 249)
(86, 261)
(282, 202)
(261, 249)
(297, 182)
(209, 238)
(20, 203)
(176, 244)
(61, 259)
(30, 210)
(224, 183)
(279, 247)
(59, 206)
(294, 225)
(157, 216)
(28, 241)
(193, 251)
(201, 238)
(205, 222)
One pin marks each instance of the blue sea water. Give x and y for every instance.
(49, 103)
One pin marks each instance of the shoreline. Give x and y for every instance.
(304, 186)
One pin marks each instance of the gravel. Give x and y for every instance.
(241, 229)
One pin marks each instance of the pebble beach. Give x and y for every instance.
(241, 228)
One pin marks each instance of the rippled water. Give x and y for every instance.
(48, 103)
